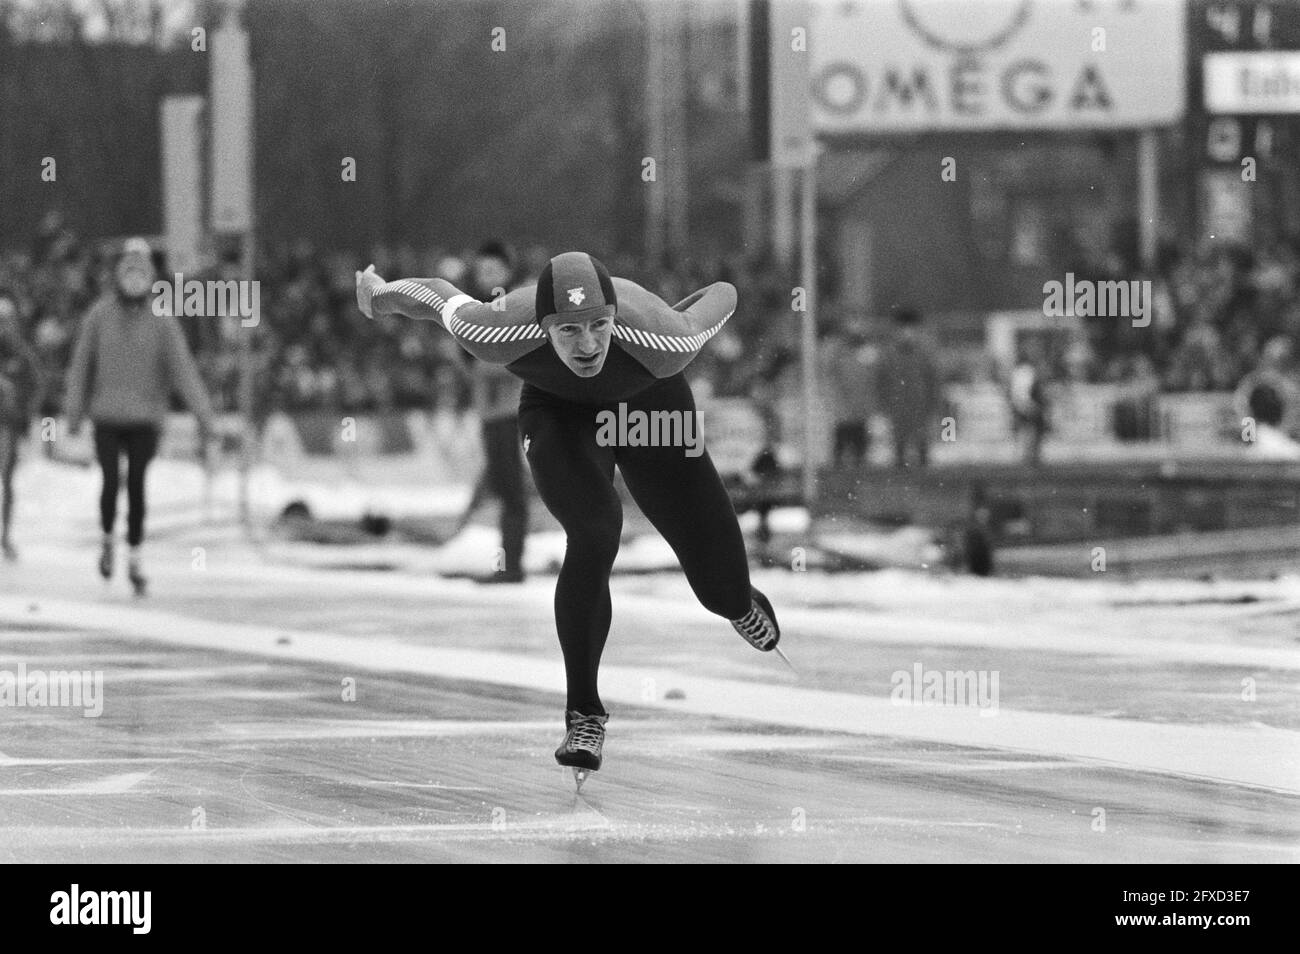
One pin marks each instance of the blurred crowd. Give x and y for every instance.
(1222, 319)
(1217, 312)
(1219, 316)
(312, 350)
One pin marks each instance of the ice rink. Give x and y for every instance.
(256, 711)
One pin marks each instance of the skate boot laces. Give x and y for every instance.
(756, 628)
(586, 733)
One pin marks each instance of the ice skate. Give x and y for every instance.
(583, 742)
(106, 558)
(134, 573)
(758, 627)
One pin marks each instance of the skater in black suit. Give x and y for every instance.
(588, 346)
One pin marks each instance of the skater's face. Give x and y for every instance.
(583, 345)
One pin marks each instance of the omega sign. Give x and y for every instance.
(922, 65)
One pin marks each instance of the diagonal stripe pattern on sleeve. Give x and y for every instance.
(649, 329)
(498, 333)
(661, 338)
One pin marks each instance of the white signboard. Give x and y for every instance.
(791, 146)
(182, 161)
(907, 66)
(232, 131)
(1252, 82)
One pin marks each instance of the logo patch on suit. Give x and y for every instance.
(577, 295)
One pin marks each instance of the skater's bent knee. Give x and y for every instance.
(599, 540)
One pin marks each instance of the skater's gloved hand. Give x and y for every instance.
(367, 282)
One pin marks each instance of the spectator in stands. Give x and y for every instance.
(1199, 362)
(908, 387)
(1270, 394)
(1079, 361)
(451, 269)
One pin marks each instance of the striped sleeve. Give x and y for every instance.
(498, 332)
(664, 338)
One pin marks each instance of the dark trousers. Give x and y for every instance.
(504, 477)
(682, 496)
(139, 442)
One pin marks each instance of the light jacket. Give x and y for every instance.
(126, 365)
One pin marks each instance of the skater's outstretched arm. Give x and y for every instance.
(497, 333)
(666, 338)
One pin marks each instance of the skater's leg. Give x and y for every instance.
(575, 480)
(141, 445)
(108, 449)
(684, 498)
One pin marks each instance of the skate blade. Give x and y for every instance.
(777, 650)
(580, 776)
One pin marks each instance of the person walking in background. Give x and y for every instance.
(126, 364)
(22, 387)
(496, 402)
(908, 386)
(1029, 402)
